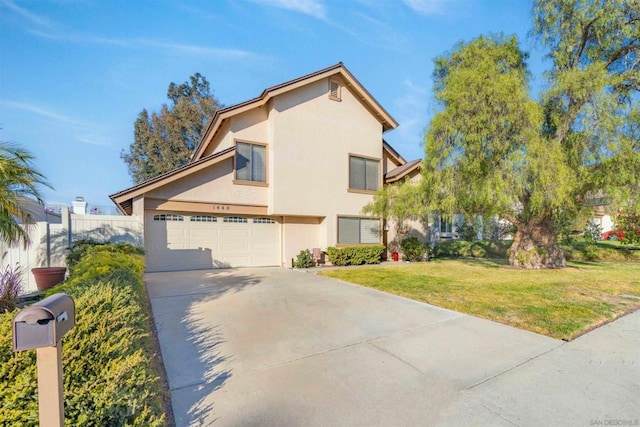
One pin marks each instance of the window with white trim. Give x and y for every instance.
(446, 225)
(358, 231)
(251, 162)
(203, 218)
(264, 221)
(364, 174)
(168, 217)
(235, 219)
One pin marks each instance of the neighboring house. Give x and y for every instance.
(602, 217)
(431, 229)
(286, 171)
(39, 212)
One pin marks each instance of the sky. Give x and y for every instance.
(74, 74)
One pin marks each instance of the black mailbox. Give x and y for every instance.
(44, 323)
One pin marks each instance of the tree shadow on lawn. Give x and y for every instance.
(578, 264)
(485, 262)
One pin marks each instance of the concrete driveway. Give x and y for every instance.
(277, 347)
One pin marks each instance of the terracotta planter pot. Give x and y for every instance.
(48, 277)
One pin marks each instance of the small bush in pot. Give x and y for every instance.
(304, 259)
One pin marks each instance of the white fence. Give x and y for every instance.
(50, 242)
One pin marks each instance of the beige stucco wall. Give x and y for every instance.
(299, 233)
(248, 126)
(211, 185)
(311, 138)
(138, 207)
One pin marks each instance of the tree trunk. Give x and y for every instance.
(535, 246)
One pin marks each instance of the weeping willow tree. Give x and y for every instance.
(19, 181)
(492, 149)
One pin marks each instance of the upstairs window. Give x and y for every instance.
(364, 174)
(251, 162)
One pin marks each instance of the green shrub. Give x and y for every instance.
(476, 249)
(107, 367)
(600, 252)
(304, 259)
(629, 224)
(82, 248)
(355, 255)
(78, 250)
(413, 249)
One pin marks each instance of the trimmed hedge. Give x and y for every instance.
(577, 251)
(83, 247)
(475, 249)
(355, 255)
(108, 375)
(600, 252)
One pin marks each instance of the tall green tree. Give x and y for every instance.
(493, 149)
(19, 181)
(164, 141)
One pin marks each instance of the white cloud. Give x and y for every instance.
(222, 53)
(139, 43)
(31, 17)
(92, 140)
(50, 30)
(427, 7)
(79, 130)
(414, 87)
(313, 8)
(43, 112)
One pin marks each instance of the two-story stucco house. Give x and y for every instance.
(286, 171)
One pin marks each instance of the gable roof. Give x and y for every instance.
(124, 198)
(393, 153)
(363, 95)
(400, 172)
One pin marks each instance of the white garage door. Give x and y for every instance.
(176, 241)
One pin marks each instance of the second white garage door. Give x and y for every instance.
(177, 241)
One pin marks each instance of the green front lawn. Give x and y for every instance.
(558, 303)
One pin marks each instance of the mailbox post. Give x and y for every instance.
(41, 327)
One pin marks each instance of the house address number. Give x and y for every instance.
(220, 207)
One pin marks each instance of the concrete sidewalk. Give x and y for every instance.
(278, 347)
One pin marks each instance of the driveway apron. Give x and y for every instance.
(276, 347)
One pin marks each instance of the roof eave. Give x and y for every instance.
(131, 193)
(404, 173)
(387, 121)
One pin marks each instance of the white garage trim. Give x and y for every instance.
(192, 241)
